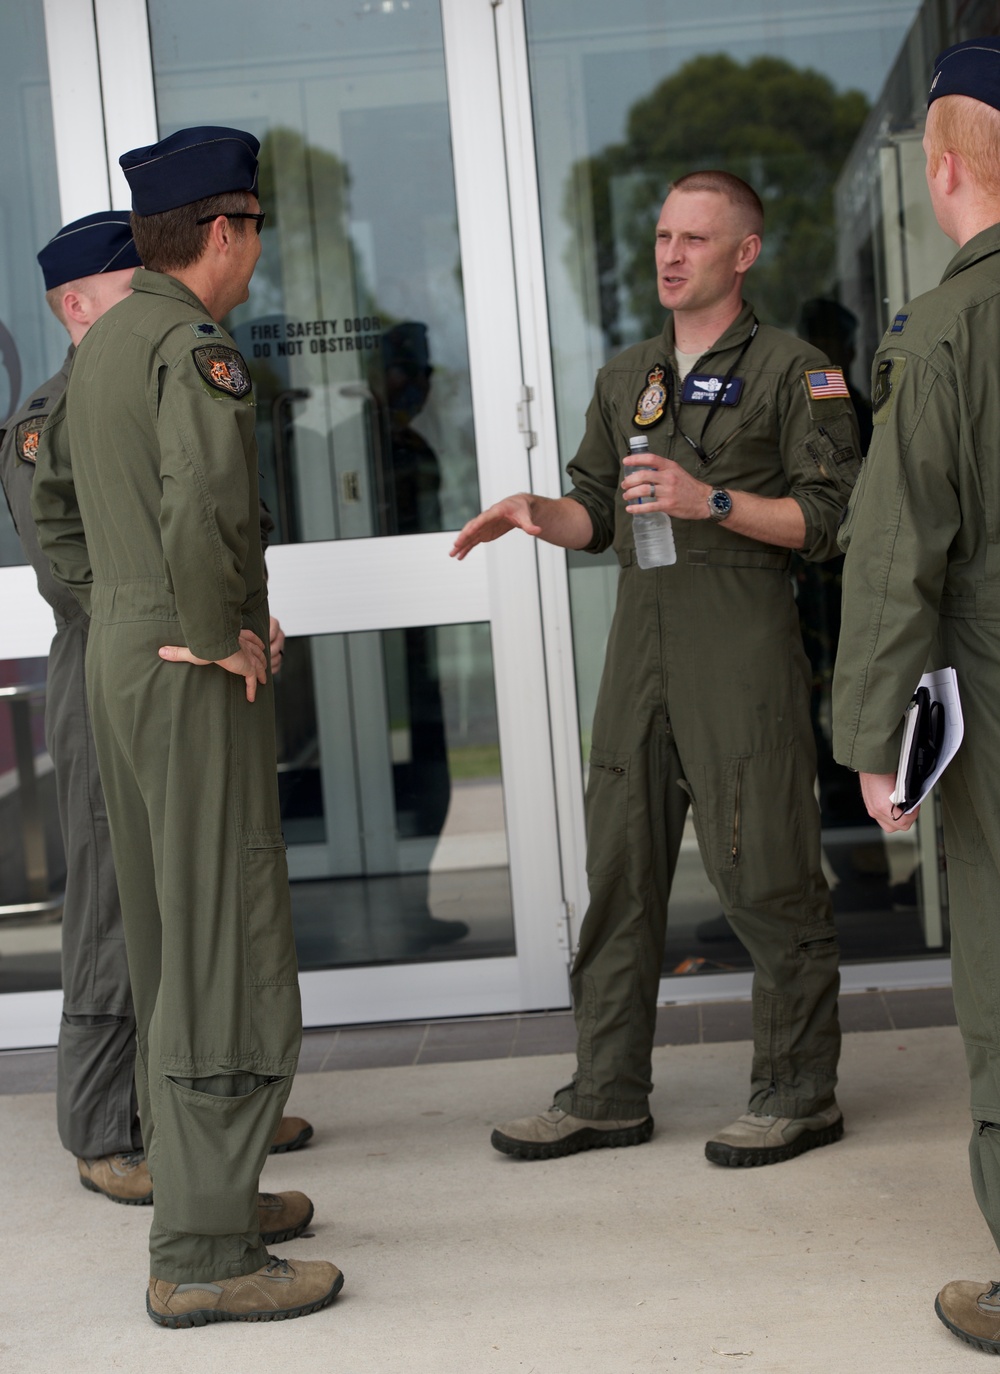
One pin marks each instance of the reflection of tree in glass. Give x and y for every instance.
(783, 129)
(304, 190)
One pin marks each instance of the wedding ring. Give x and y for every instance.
(652, 492)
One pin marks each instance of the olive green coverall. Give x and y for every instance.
(922, 591)
(704, 702)
(95, 1060)
(155, 525)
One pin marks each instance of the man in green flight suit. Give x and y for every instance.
(145, 498)
(922, 585)
(87, 268)
(704, 700)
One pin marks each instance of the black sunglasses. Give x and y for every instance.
(257, 219)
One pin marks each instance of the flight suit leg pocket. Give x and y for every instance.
(607, 813)
(769, 852)
(208, 1155)
(270, 943)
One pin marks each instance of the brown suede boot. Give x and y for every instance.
(282, 1216)
(122, 1178)
(292, 1134)
(972, 1311)
(282, 1289)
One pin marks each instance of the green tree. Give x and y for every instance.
(784, 129)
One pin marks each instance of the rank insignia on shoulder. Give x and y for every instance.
(898, 324)
(223, 369)
(208, 331)
(26, 438)
(702, 390)
(824, 383)
(38, 403)
(649, 406)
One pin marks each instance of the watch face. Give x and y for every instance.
(721, 503)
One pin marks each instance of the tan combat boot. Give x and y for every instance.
(292, 1134)
(555, 1133)
(753, 1139)
(282, 1289)
(122, 1177)
(972, 1311)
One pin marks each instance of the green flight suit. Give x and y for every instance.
(704, 701)
(922, 591)
(95, 1059)
(154, 523)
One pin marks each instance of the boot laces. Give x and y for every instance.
(277, 1266)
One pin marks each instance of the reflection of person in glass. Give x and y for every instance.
(704, 698)
(409, 493)
(922, 587)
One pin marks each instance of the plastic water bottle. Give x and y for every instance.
(653, 533)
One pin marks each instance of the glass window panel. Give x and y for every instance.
(355, 326)
(821, 108)
(32, 861)
(391, 795)
(32, 343)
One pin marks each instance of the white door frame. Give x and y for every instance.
(507, 583)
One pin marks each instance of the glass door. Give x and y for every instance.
(406, 708)
(415, 750)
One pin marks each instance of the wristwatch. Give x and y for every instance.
(720, 503)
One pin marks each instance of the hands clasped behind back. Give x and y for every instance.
(248, 662)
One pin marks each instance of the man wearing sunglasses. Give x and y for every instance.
(154, 523)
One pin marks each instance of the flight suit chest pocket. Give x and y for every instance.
(270, 942)
(607, 813)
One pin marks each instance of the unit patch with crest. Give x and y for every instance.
(223, 369)
(887, 377)
(26, 438)
(652, 399)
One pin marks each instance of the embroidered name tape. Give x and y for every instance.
(701, 390)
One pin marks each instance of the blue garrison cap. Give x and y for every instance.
(969, 68)
(88, 246)
(191, 164)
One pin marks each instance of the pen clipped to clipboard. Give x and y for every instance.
(932, 731)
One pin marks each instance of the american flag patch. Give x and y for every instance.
(826, 383)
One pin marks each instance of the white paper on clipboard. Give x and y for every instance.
(943, 687)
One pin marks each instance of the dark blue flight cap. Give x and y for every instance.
(190, 165)
(88, 246)
(969, 68)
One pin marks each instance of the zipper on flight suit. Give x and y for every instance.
(734, 851)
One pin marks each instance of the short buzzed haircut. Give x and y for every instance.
(736, 191)
(971, 129)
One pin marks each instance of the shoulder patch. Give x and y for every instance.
(824, 383)
(38, 403)
(887, 375)
(898, 324)
(26, 438)
(223, 369)
(205, 330)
